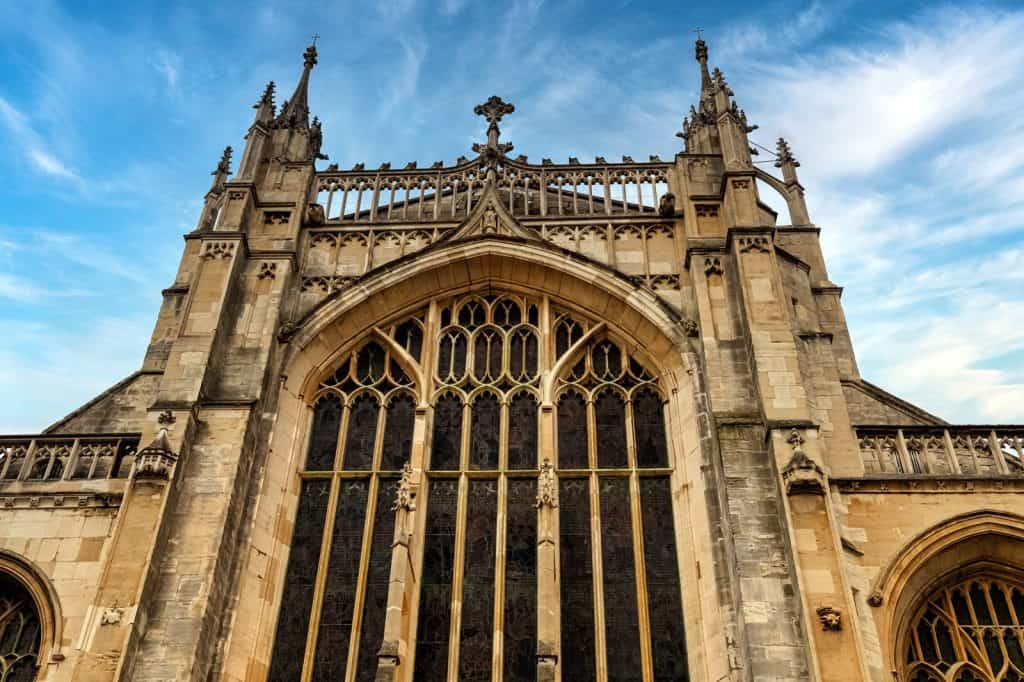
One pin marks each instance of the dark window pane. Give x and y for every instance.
(377, 580)
(621, 621)
(339, 598)
(451, 357)
(649, 422)
(477, 637)
(607, 361)
(362, 433)
(577, 599)
(370, 364)
(664, 599)
(610, 415)
(436, 589)
(293, 621)
(521, 582)
(572, 432)
(398, 426)
(409, 336)
(485, 432)
(447, 433)
(507, 313)
(522, 432)
(522, 363)
(487, 349)
(323, 441)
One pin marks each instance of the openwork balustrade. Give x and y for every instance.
(442, 194)
(954, 450)
(67, 457)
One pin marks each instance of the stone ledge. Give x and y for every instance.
(923, 483)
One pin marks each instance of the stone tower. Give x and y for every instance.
(501, 420)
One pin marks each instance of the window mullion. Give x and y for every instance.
(364, 562)
(321, 580)
(601, 660)
(643, 616)
(455, 629)
(501, 526)
(339, 450)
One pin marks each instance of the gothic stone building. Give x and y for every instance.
(501, 420)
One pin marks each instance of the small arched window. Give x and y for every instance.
(19, 632)
(970, 630)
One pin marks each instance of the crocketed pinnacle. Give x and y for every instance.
(221, 172)
(265, 107)
(784, 155)
(295, 112)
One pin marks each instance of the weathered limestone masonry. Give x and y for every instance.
(511, 421)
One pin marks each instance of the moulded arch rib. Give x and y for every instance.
(510, 263)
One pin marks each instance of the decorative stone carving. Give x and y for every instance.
(802, 476)
(111, 616)
(223, 250)
(547, 486)
(276, 217)
(712, 266)
(691, 328)
(406, 496)
(706, 210)
(740, 183)
(667, 205)
(315, 215)
(267, 271)
(156, 460)
(286, 331)
(831, 619)
(235, 195)
(754, 244)
(166, 418)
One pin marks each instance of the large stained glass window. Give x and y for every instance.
(613, 468)
(19, 632)
(969, 631)
(489, 360)
(360, 437)
(484, 457)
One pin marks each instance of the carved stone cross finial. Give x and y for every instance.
(700, 33)
(493, 110)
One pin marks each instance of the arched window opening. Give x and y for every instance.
(20, 632)
(360, 438)
(971, 629)
(613, 453)
(495, 411)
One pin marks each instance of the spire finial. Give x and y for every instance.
(494, 109)
(295, 111)
(701, 52)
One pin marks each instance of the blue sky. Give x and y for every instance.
(905, 117)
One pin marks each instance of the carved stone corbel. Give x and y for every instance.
(802, 476)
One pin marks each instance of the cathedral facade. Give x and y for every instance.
(505, 420)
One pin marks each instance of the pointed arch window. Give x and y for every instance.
(337, 578)
(473, 615)
(20, 632)
(969, 630)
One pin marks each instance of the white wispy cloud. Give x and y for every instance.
(904, 141)
(168, 64)
(23, 137)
